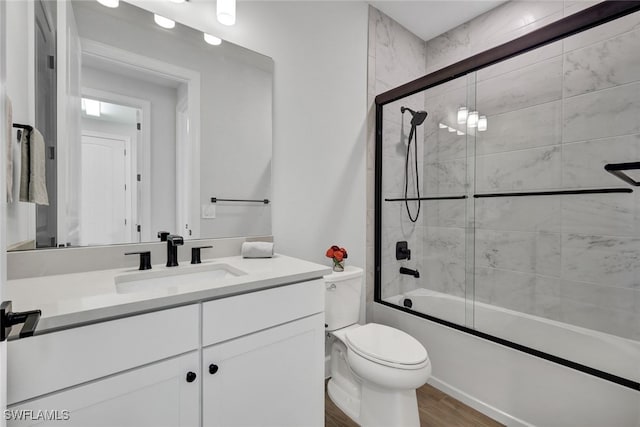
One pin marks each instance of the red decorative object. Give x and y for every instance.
(338, 255)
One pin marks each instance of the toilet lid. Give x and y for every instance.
(380, 342)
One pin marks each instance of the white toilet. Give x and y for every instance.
(375, 369)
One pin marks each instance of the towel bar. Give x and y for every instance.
(216, 199)
(28, 128)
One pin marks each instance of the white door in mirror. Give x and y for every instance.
(105, 215)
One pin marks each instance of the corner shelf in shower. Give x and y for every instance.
(415, 199)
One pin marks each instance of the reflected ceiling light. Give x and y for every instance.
(462, 115)
(482, 123)
(452, 130)
(212, 40)
(226, 12)
(177, 1)
(164, 22)
(442, 126)
(91, 107)
(109, 3)
(473, 119)
(460, 133)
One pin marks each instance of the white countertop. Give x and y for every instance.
(70, 300)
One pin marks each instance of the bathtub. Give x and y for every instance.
(599, 350)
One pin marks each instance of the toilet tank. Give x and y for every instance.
(342, 298)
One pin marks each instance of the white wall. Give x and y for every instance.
(163, 131)
(319, 51)
(320, 55)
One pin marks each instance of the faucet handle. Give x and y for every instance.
(195, 254)
(175, 240)
(162, 235)
(145, 259)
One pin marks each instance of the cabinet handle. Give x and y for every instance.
(213, 368)
(191, 377)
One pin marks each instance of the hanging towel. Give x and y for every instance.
(24, 166)
(9, 147)
(33, 179)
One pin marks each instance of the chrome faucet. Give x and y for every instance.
(173, 241)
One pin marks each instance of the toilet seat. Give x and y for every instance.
(387, 346)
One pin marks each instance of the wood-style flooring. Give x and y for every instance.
(437, 409)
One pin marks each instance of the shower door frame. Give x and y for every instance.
(594, 16)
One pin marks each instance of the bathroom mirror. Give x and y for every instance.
(148, 126)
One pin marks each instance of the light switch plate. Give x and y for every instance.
(209, 211)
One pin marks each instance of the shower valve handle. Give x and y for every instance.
(403, 251)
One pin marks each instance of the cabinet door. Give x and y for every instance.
(155, 395)
(269, 378)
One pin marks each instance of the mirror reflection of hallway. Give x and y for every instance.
(108, 207)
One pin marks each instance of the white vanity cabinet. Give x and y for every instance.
(250, 359)
(265, 367)
(155, 395)
(122, 372)
(264, 379)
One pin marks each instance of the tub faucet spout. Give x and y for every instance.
(410, 272)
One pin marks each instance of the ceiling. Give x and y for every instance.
(430, 18)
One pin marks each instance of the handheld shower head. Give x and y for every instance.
(417, 117)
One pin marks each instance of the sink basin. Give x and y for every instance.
(175, 278)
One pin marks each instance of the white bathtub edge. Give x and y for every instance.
(480, 406)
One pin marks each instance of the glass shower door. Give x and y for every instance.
(434, 280)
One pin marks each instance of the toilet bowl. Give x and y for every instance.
(375, 369)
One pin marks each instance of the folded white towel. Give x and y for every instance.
(33, 178)
(9, 147)
(257, 249)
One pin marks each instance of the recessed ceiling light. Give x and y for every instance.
(177, 1)
(442, 126)
(226, 12)
(109, 3)
(212, 40)
(451, 129)
(164, 22)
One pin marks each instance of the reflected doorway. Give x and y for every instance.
(109, 190)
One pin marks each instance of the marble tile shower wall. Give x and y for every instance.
(556, 115)
(396, 56)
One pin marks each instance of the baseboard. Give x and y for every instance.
(488, 410)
